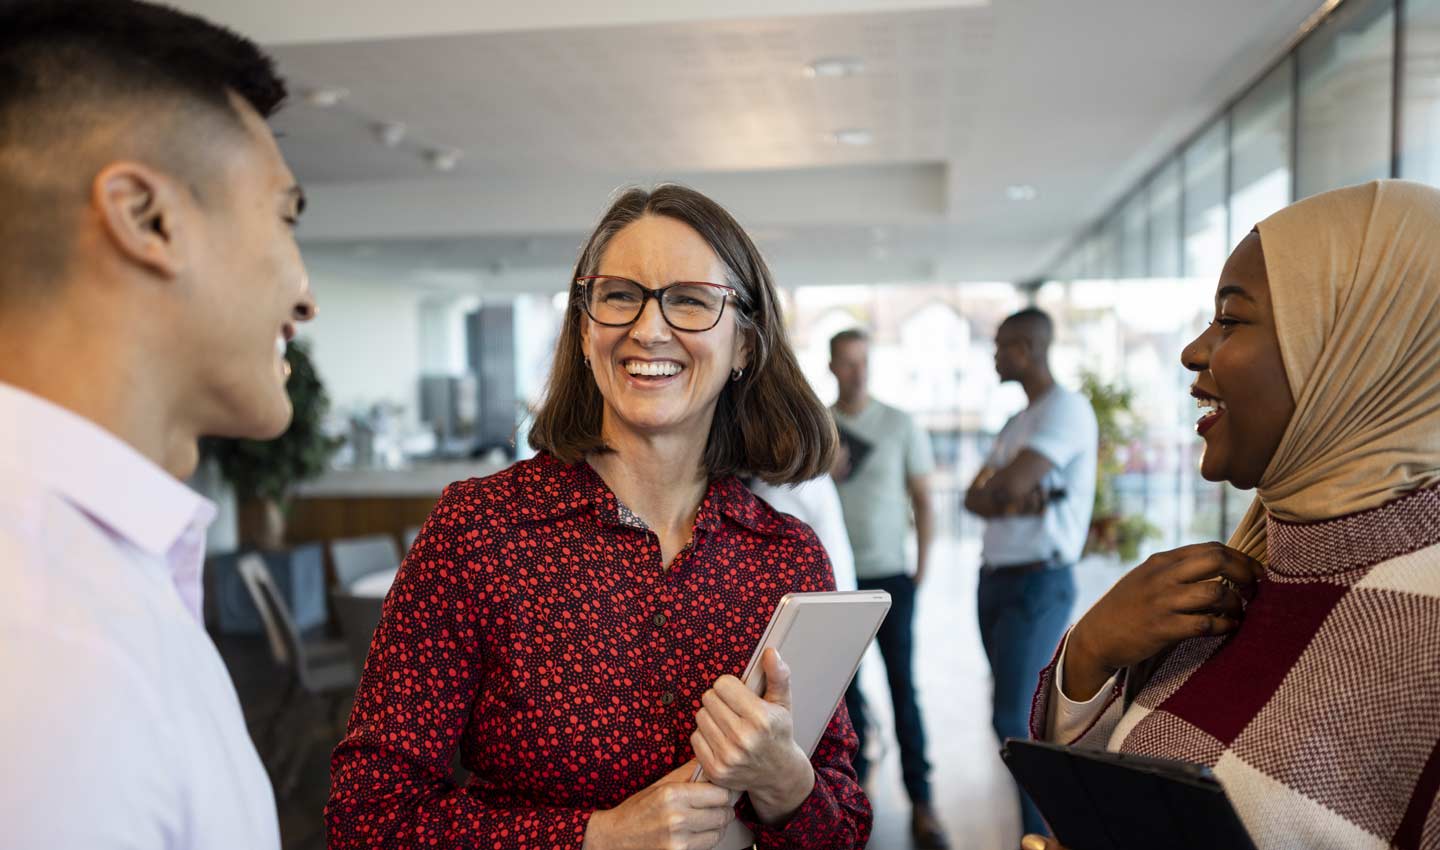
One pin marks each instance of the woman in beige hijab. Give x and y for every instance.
(1301, 663)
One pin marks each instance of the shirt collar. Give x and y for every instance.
(98, 472)
(569, 488)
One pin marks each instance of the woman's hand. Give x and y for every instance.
(1172, 596)
(672, 814)
(747, 743)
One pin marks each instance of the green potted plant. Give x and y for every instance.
(1110, 530)
(264, 472)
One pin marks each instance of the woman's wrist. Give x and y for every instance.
(775, 804)
(1085, 673)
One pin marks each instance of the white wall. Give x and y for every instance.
(442, 333)
(366, 341)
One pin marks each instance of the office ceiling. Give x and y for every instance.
(551, 106)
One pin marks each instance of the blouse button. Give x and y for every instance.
(659, 619)
(667, 698)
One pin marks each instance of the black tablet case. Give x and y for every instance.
(1097, 800)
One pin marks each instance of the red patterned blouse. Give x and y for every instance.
(533, 627)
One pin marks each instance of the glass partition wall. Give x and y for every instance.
(1356, 98)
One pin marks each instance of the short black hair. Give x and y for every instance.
(1035, 323)
(83, 81)
(53, 49)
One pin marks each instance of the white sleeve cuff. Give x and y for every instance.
(1070, 720)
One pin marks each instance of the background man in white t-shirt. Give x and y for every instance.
(1035, 491)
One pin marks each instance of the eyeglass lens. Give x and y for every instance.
(693, 307)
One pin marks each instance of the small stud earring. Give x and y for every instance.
(735, 374)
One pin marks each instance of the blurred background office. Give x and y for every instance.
(918, 168)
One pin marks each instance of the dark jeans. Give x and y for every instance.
(897, 649)
(1022, 617)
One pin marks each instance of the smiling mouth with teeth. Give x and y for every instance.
(1214, 409)
(646, 369)
(280, 348)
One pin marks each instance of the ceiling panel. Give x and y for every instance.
(555, 104)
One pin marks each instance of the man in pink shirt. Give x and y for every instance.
(149, 280)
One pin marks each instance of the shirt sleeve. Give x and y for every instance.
(52, 739)
(919, 458)
(390, 778)
(836, 815)
(1056, 718)
(829, 524)
(1064, 429)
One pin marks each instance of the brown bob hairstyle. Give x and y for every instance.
(767, 424)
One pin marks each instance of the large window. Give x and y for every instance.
(1164, 222)
(1206, 231)
(1134, 239)
(1324, 116)
(1420, 91)
(932, 354)
(1260, 150)
(1346, 68)
(1108, 258)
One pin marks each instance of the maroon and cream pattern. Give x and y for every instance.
(1321, 715)
(534, 629)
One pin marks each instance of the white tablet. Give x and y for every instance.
(822, 637)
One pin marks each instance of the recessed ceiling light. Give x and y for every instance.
(1021, 192)
(443, 159)
(326, 96)
(390, 133)
(835, 66)
(855, 136)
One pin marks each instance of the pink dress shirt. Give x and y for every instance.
(120, 727)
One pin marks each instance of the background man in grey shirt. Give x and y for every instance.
(883, 477)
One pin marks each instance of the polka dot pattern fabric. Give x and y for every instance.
(534, 629)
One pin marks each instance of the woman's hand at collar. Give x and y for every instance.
(1193, 591)
(747, 743)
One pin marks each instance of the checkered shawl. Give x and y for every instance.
(1321, 714)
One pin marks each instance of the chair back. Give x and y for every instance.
(355, 557)
(359, 616)
(280, 628)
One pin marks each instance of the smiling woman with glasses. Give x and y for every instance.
(574, 626)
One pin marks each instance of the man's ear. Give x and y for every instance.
(141, 211)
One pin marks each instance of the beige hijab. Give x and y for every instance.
(1355, 283)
